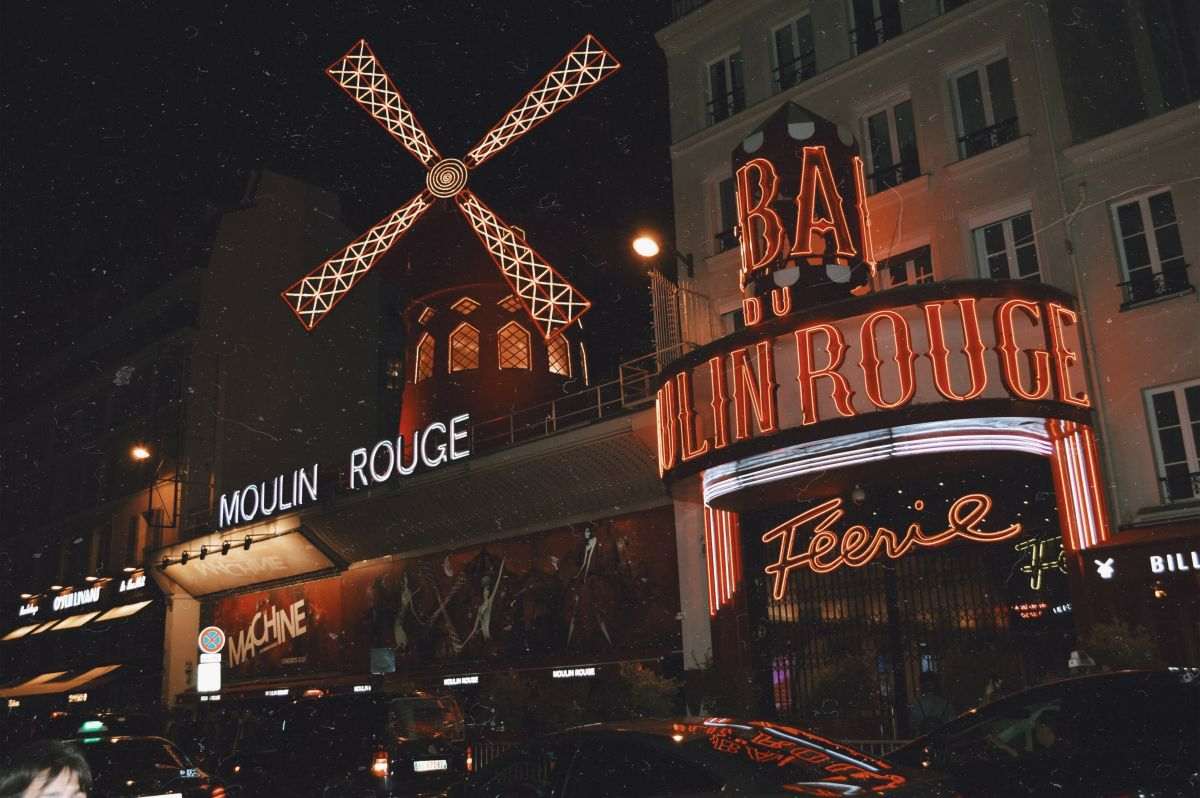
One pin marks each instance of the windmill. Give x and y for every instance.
(551, 302)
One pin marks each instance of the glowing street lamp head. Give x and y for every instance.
(139, 452)
(646, 246)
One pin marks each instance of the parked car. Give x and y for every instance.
(124, 765)
(347, 745)
(1114, 734)
(689, 757)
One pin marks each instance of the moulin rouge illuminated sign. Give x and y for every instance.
(802, 372)
(434, 445)
(828, 549)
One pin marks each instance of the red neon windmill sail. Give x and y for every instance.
(551, 301)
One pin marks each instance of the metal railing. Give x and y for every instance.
(1180, 487)
(725, 105)
(792, 73)
(632, 389)
(1145, 284)
(987, 138)
(892, 176)
(880, 30)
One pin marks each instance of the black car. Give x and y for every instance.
(146, 767)
(346, 745)
(1115, 734)
(689, 757)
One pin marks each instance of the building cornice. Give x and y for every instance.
(1182, 123)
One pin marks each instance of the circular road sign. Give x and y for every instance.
(211, 640)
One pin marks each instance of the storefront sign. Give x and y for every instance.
(267, 629)
(828, 549)
(801, 372)
(132, 582)
(1140, 561)
(1175, 562)
(574, 673)
(435, 445)
(457, 681)
(76, 598)
(29, 608)
(77, 698)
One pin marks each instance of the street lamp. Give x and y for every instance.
(139, 453)
(647, 246)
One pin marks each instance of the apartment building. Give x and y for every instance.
(1001, 140)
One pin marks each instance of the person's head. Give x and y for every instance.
(45, 769)
(1045, 732)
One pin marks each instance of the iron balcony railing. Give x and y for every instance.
(892, 176)
(726, 105)
(987, 138)
(1181, 486)
(878, 31)
(1146, 284)
(792, 73)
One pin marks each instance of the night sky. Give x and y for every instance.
(128, 127)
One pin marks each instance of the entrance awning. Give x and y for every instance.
(77, 620)
(57, 682)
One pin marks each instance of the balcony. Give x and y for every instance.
(988, 138)
(875, 33)
(725, 106)
(892, 176)
(1180, 486)
(794, 72)
(1147, 285)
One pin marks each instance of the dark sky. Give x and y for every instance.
(127, 124)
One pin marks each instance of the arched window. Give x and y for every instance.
(512, 344)
(424, 366)
(464, 348)
(559, 353)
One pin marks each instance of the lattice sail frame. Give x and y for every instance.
(550, 300)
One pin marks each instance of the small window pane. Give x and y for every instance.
(1162, 209)
(1192, 396)
(1000, 86)
(464, 348)
(1137, 252)
(906, 134)
(998, 267)
(728, 204)
(1027, 264)
(881, 141)
(1166, 414)
(1171, 440)
(970, 103)
(1129, 217)
(1022, 227)
(993, 238)
(1169, 245)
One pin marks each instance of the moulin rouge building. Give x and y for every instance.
(892, 452)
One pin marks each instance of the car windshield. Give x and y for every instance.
(424, 719)
(115, 759)
(769, 754)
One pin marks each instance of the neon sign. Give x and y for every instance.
(828, 550)
(77, 598)
(438, 443)
(551, 302)
(1040, 560)
(887, 359)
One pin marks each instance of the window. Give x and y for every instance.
(512, 346)
(464, 348)
(795, 53)
(465, 305)
(873, 22)
(558, 351)
(426, 315)
(726, 88)
(984, 109)
(1006, 249)
(393, 370)
(1175, 415)
(424, 365)
(1151, 250)
(733, 321)
(892, 150)
(907, 268)
(726, 238)
(510, 303)
(131, 541)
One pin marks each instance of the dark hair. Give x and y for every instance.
(20, 768)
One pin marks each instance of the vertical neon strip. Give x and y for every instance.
(710, 554)
(723, 557)
(1099, 505)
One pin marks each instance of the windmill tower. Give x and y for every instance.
(470, 341)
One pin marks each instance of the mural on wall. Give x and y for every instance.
(601, 589)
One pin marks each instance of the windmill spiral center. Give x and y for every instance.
(446, 178)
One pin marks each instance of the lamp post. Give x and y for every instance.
(141, 453)
(666, 300)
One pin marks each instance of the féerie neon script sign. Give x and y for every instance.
(856, 546)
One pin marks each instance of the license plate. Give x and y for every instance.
(426, 765)
(164, 795)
